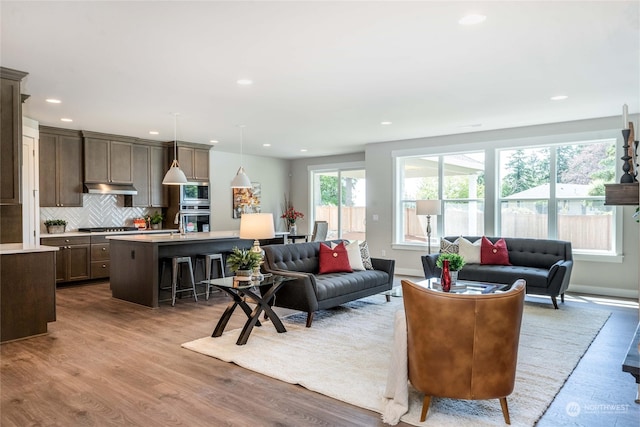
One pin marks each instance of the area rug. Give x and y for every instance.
(347, 351)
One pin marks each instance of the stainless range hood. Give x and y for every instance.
(126, 189)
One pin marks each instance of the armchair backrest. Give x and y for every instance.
(463, 346)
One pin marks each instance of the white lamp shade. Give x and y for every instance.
(428, 207)
(174, 175)
(241, 180)
(257, 226)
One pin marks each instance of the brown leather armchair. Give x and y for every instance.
(463, 346)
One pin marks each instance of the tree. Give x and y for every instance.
(329, 191)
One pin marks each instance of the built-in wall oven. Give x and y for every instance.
(195, 210)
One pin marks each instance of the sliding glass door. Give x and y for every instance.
(339, 197)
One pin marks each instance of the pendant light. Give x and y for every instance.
(174, 175)
(241, 180)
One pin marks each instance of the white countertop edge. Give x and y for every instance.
(163, 238)
(107, 233)
(20, 248)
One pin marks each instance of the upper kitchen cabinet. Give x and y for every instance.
(194, 162)
(107, 159)
(10, 135)
(149, 166)
(60, 167)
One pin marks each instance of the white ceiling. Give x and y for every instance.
(325, 73)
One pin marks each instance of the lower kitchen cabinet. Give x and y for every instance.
(100, 257)
(73, 259)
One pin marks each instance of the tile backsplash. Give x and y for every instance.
(98, 210)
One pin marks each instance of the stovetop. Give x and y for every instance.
(103, 229)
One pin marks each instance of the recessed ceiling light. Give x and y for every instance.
(154, 132)
(213, 141)
(53, 101)
(559, 97)
(64, 119)
(472, 19)
(385, 123)
(303, 150)
(266, 145)
(245, 82)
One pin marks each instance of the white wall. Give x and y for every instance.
(272, 174)
(606, 278)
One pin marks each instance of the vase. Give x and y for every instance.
(445, 278)
(293, 229)
(56, 229)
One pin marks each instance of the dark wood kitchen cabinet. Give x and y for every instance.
(194, 162)
(10, 135)
(60, 167)
(100, 257)
(73, 259)
(107, 159)
(149, 166)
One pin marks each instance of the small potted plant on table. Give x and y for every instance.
(55, 226)
(243, 261)
(456, 262)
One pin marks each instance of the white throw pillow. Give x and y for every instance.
(469, 251)
(353, 253)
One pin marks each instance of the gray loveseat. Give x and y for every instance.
(312, 291)
(545, 265)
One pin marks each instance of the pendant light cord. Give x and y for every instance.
(175, 136)
(241, 145)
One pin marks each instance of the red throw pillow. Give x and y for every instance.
(494, 253)
(333, 260)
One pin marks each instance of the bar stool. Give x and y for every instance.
(176, 271)
(208, 259)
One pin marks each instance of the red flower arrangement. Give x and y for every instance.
(291, 215)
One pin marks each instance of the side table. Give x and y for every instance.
(241, 290)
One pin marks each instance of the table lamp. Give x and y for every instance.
(257, 226)
(428, 208)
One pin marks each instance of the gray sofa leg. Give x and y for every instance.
(309, 318)
(555, 303)
(388, 297)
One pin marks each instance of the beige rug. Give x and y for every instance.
(346, 354)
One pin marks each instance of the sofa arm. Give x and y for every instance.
(558, 277)
(386, 265)
(429, 266)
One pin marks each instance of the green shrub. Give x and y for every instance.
(456, 262)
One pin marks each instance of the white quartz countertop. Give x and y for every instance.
(21, 248)
(167, 238)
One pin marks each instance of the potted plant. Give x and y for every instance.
(156, 220)
(243, 261)
(55, 226)
(456, 262)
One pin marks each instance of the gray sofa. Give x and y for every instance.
(312, 291)
(545, 265)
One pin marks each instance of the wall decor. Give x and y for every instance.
(246, 200)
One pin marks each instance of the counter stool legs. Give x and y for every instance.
(208, 259)
(176, 271)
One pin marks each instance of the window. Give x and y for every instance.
(339, 197)
(558, 192)
(546, 191)
(461, 192)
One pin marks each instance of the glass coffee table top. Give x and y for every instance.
(239, 282)
(466, 286)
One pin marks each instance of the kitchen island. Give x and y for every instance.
(136, 259)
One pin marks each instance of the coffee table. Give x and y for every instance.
(260, 292)
(466, 286)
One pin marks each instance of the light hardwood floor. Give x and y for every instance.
(107, 362)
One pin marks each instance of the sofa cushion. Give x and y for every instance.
(448, 247)
(494, 253)
(336, 284)
(469, 251)
(333, 260)
(366, 256)
(504, 274)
